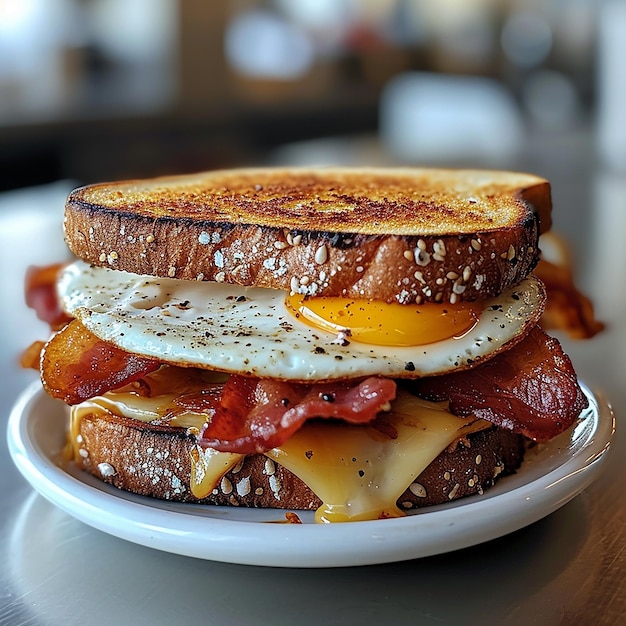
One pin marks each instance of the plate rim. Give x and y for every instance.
(207, 536)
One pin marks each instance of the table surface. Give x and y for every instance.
(569, 568)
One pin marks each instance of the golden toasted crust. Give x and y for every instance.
(408, 235)
(155, 461)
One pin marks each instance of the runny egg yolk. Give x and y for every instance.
(383, 324)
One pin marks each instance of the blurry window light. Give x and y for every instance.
(33, 36)
(134, 31)
(14, 13)
(551, 100)
(328, 19)
(526, 38)
(30, 28)
(42, 76)
(428, 117)
(261, 44)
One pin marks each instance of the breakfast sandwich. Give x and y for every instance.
(358, 342)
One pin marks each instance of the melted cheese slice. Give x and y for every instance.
(207, 465)
(358, 472)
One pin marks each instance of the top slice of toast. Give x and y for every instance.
(375, 201)
(354, 230)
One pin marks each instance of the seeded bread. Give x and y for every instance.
(155, 461)
(443, 235)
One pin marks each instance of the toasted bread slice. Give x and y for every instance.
(406, 235)
(110, 447)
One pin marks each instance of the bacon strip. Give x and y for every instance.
(531, 389)
(76, 365)
(567, 308)
(255, 415)
(40, 294)
(245, 415)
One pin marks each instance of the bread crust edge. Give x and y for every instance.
(155, 461)
(442, 268)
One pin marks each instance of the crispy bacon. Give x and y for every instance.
(40, 294)
(29, 359)
(76, 365)
(245, 415)
(531, 389)
(567, 308)
(255, 415)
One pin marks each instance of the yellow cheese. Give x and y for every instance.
(207, 468)
(358, 472)
(207, 465)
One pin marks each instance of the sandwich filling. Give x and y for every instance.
(253, 332)
(357, 438)
(357, 472)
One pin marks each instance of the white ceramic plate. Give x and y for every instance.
(551, 475)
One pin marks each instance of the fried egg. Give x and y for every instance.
(260, 332)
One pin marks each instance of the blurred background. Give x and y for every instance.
(94, 90)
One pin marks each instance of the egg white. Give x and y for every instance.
(249, 330)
